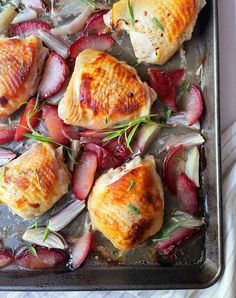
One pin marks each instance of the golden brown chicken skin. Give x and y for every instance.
(31, 184)
(21, 64)
(104, 91)
(159, 27)
(126, 204)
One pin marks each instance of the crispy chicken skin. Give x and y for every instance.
(31, 184)
(126, 204)
(21, 64)
(160, 26)
(104, 91)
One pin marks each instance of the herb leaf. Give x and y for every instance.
(134, 209)
(135, 64)
(46, 232)
(30, 248)
(185, 87)
(167, 113)
(34, 225)
(130, 13)
(157, 24)
(164, 234)
(131, 185)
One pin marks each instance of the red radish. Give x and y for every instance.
(83, 174)
(54, 76)
(193, 105)
(90, 135)
(163, 84)
(71, 132)
(173, 164)
(6, 257)
(100, 42)
(179, 235)
(33, 119)
(186, 193)
(106, 160)
(95, 24)
(7, 133)
(28, 28)
(54, 124)
(81, 249)
(177, 77)
(45, 258)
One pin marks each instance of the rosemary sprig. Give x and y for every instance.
(30, 248)
(167, 113)
(34, 225)
(131, 185)
(157, 24)
(134, 209)
(46, 232)
(185, 87)
(128, 129)
(164, 234)
(130, 13)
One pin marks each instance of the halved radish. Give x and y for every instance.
(119, 150)
(6, 257)
(100, 42)
(32, 115)
(81, 249)
(54, 123)
(173, 164)
(106, 160)
(71, 132)
(163, 84)
(84, 174)
(179, 235)
(186, 193)
(44, 259)
(36, 5)
(192, 165)
(177, 77)
(193, 104)
(54, 76)
(95, 24)
(90, 135)
(28, 28)
(7, 133)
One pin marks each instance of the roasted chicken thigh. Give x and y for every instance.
(126, 204)
(21, 64)
(104, 91)
(31, 184)
(158, 27)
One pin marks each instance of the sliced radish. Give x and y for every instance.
(106, 160)
(31, 116)
(84, 174)
(179, 235)
(57, 97)
(6, 257)
(192, 165)
(28, 28)
(193, 104)
(186, 193)
(71, 132)
(163, 84)
(119, 150)
(54, 76)
(54, 123)
(173, 164)
(81, 250)
(45, 258)
(6, 155)
(177, 77)
(100, 42)
(7, 133)
(180, 120)
(95, 24)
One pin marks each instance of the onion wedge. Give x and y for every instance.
(192, 165)
(65, 216)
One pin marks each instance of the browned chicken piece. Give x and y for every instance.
(104, 91)
(159, 27)
(31, 184)
(126, 204)
(21, 64)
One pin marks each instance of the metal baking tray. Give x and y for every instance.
(198, 262)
